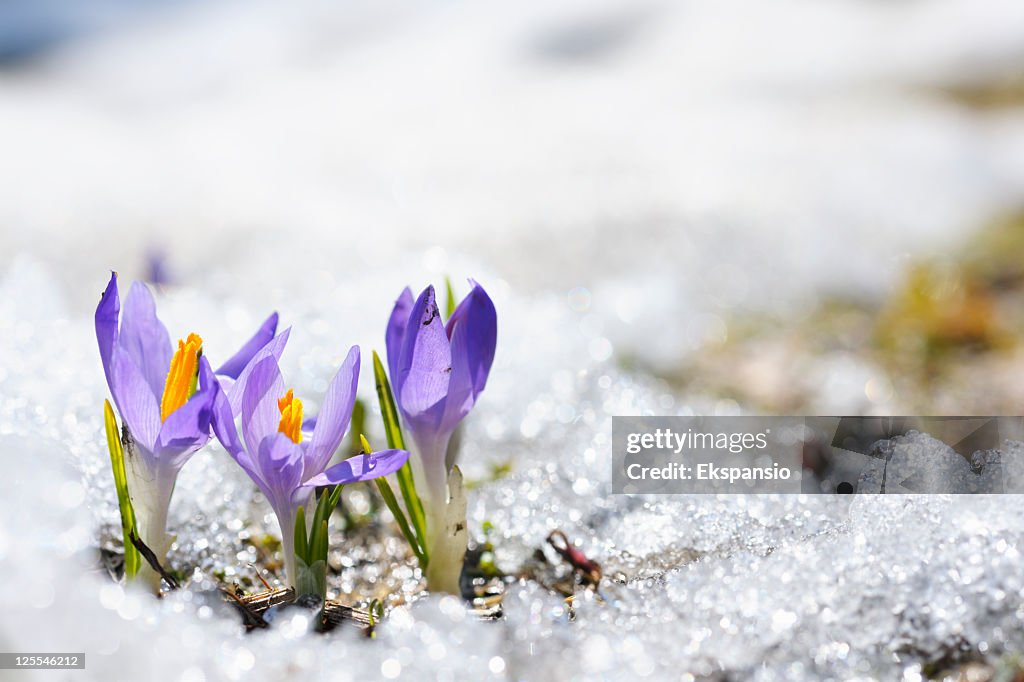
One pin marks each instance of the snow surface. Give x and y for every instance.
(784, 587)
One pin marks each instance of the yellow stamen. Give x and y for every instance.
(291, 416)
(182, 376)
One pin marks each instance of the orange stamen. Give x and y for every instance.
(291, 416)
(182, 375)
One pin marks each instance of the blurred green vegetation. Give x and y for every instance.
(943, 338)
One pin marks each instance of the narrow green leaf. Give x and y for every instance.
(301, 545)
(324, 542)
(371, 612)
(392, 503)
(193, 383)
(318, 544)
(356, 427)
(413, 503)
(393, 429)
(450, 297)
(335, 497)
(132, 559)
(323, 511)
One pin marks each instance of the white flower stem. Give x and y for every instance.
(446, 516)
(288, 549)
(150, 492)
(286, 516)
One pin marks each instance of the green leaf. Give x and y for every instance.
(356, 427)
(321, 512)
(393, 429)
(335, 497)
(392, 503)
(318, 543)
(375, 612)
(132, 559)
(450, 298)
(301, 544)
(193, 383)
(311, 578)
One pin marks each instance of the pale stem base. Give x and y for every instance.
(150, 493)
(447, 538)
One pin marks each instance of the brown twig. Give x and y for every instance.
(334, 613)
(588, 570)
(151, 559)
(252, 619)
(262, 580)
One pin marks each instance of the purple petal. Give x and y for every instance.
(477, 313)
(222, 420)
(145, 338)
(425, 363)
(461, 397)
(335, 415)
(135, 401)
(361, 468)
(273, 349)
(397, 323)
(234, 366)
(107, 313)
(188, 428)
(223, 424)
(473, 329)
(260, 413)
(279, 464)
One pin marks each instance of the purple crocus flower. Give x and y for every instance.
(438, 371)
(165, 399)
(285, 465)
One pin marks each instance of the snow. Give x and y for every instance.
(771, 587)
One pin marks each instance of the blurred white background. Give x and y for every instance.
(675, 159)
